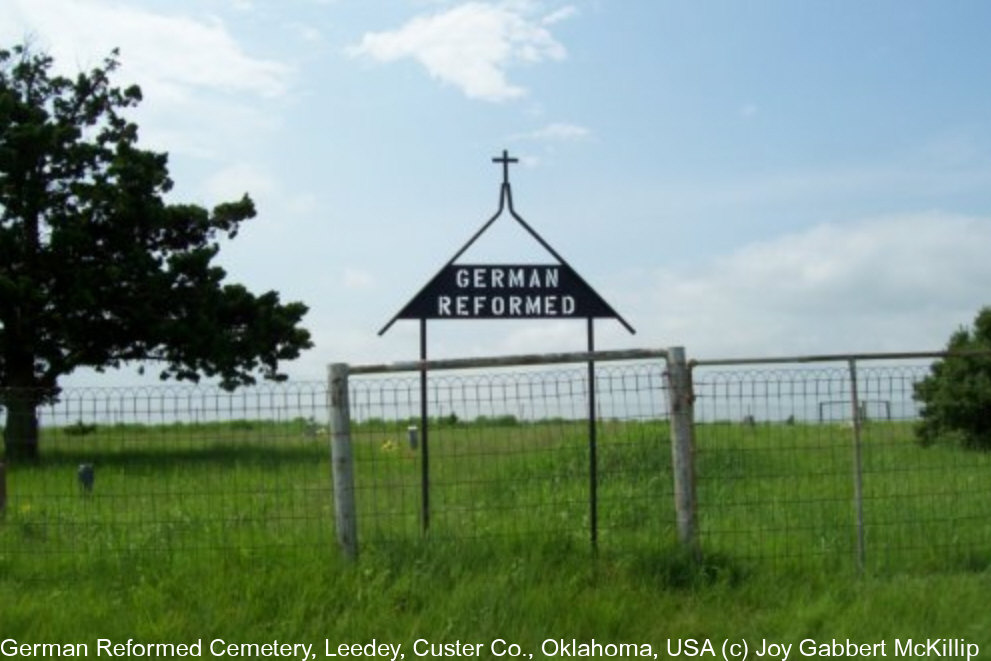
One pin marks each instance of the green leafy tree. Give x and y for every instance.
(96, 268)
(956, 395)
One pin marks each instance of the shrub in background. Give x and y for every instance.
(956, 395)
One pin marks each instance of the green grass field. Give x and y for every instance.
(225, 530)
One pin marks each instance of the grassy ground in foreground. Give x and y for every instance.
(174, 544)
(447, 592)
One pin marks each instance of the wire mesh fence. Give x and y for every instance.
(793, 466)
(510, 456)
(172, 469)
(792, 469)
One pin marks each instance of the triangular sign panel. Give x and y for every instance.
(507, 291)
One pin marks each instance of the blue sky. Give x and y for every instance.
(741, 178)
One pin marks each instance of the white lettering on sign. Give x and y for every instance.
(506, 291)
(551, 305)
(497, 277)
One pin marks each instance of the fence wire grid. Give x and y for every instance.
(789, 468)
(509, 455)
(777, 456)
(170, 469)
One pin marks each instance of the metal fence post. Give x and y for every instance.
(681, 400)
(341, 460)
(856, 414)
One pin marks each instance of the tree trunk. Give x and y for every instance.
(20, 434)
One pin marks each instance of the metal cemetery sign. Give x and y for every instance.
(507, 291)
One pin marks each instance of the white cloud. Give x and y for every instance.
(159, 50)
(888, 284)
(824, 187)
(204, 94)
(469, 46)
(558, 131)
(559, 15)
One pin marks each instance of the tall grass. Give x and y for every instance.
(226, 530)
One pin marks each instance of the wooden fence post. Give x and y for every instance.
(345, 517)
(681, 400)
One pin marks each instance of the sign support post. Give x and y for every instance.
(424, 434)
(593, 463)
(507, 291)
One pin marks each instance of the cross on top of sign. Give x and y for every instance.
(505, 160)
(507, 291)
